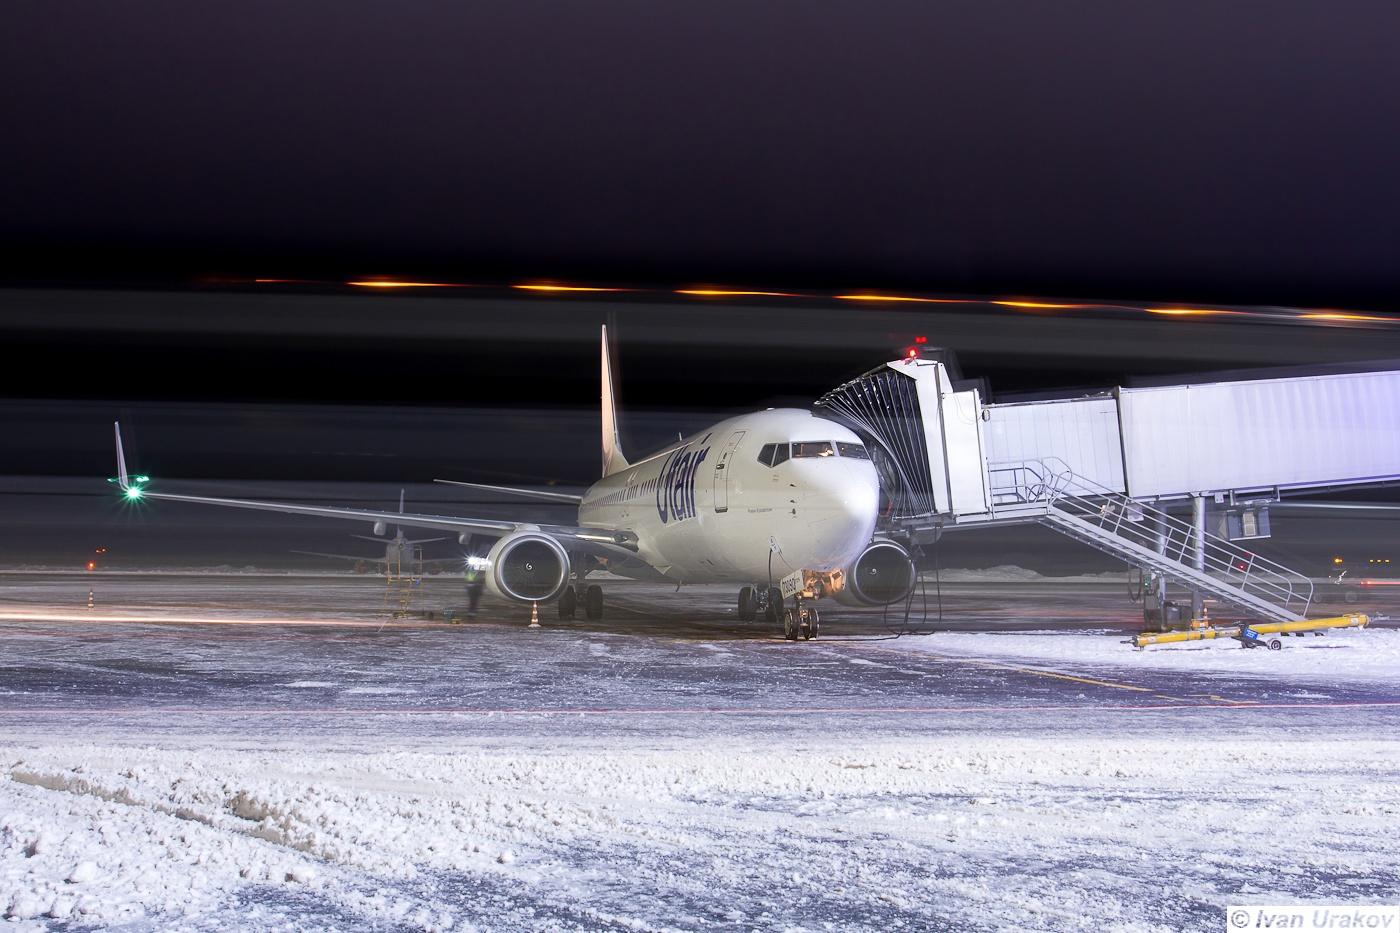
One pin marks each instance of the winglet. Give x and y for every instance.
(123, 480)
(613, 459)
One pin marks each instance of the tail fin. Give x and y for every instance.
(122, 479)
(613, 459)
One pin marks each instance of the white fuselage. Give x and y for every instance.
(708, 511)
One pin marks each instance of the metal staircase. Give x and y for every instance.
(1049, 492)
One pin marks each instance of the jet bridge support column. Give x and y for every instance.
(1159, 580)
(1198, 549)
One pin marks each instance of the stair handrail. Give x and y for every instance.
(1053, 484)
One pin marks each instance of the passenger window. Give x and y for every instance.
(813, 449)
(765, 456)
(854, 451)
(780, 453)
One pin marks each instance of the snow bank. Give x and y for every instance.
(1344, 656)
(962, 831)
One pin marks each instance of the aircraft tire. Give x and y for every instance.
(813, 625)
(774, 612)
(748, 604)
(593, 603)
(568, 604)
(790, 624)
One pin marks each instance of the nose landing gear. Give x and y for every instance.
(801, 621)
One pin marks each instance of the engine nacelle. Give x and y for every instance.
(881, 575)
(528, 566)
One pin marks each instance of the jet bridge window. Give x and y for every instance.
(813, 449)
(854, 451)
(773, 454)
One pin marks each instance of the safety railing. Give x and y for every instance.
(1016, 486)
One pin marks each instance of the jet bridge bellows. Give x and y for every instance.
(923, 436)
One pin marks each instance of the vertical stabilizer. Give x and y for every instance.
(613, 460)
(123, 481)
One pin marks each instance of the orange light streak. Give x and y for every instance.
(568, 288)
(1188, 312)
(733, 293)
(393, 283)
(1045, 305)
(1346, 316)
(908, 298)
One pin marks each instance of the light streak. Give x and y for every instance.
(568, 288)
(42, 615)
(1188, 312)
(906, 298)
(395, 283)
(734, 293)
(1346, 316)
(1040, 305)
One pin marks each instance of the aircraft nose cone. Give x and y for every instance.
(845, 502)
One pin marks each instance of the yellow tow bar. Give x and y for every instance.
(1354, 620)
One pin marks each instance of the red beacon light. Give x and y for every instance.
(921, 339)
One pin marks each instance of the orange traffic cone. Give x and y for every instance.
(534, 615)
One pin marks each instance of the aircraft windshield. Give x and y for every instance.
(774, 454)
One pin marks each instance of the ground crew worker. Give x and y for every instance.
(476, 582)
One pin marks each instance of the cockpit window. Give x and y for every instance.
(813, 449)
(854, 451)
(773, 454)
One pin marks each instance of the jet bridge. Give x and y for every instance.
(1103, 468)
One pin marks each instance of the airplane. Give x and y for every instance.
(781, 502)
(400, 553)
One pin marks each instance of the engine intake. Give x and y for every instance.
(528, 567)
(882, 574)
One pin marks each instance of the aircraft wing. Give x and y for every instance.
(599, 541)
(596, 540)
(358, 558)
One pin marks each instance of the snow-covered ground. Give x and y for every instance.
(670, 769)
(1341, 656)
(1097, 832)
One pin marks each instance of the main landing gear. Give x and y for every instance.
(591, 599)
(754, 600)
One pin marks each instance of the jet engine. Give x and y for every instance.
(528, 566)
(882, 574)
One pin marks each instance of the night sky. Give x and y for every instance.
(1187, 150)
